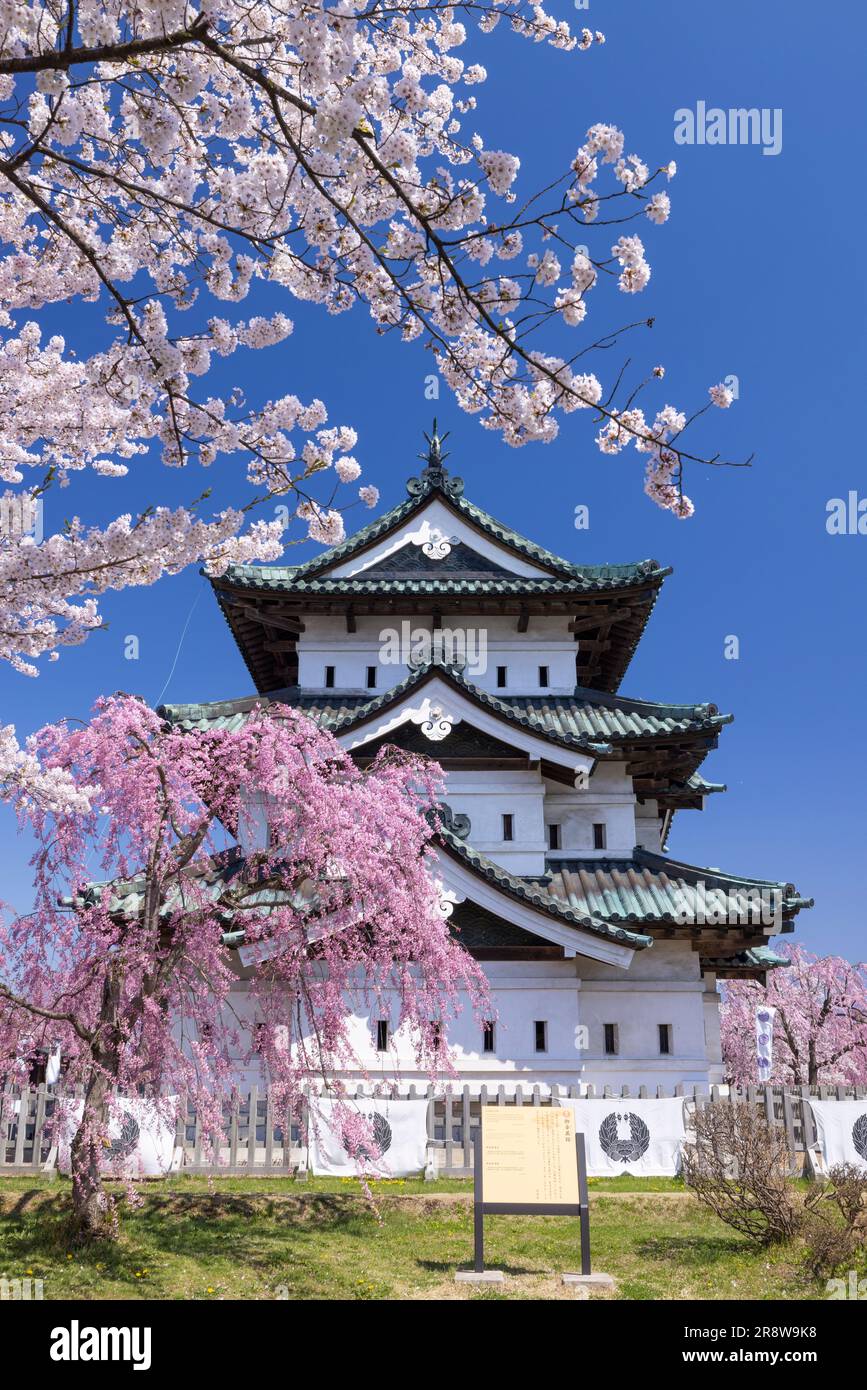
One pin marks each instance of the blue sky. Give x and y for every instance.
(760, 273)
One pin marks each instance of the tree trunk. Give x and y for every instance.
(93, 1212)
(90, 1206)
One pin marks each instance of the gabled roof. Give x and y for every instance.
(626, 898)
(537, 895)
(588, 720)
(662, 745)
(435, 482)
(610, 602)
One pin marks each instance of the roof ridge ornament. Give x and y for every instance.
(454, 822)
(435, 474)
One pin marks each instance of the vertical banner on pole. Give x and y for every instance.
(764, 1042)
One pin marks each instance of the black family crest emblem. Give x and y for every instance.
(624, 1150)
(126, 1141)
(859, 1136)
(382, 1137)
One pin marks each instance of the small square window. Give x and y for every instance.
(488, 1039)
(553, 837)
(665, 1039)
(502, 675)
(329, 677)
(371, 677)
(540, 1031)
(382, 1035)
(543, 678)
(599, 835)
(611, 1040)
(508, 827)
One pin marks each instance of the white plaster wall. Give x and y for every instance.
(485, 797)
(712, 1033)
(663, 985)
(533, 803)
(569, 996)
(536, 804)
(648, 826)
(486, 641)
(664, 960)
(608, 799)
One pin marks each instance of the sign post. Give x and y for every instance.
(528, 1161)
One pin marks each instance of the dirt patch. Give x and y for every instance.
(516, 1286)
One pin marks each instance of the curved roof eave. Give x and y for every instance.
(534, 895)
(686, 720)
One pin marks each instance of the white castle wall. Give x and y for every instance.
(574, 998)
(648, 826)
(608, 799)
(486, 642)
(486, 797)
(535, 805)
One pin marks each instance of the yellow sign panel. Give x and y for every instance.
(528, 1155)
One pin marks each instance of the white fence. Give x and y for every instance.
(256, 1140)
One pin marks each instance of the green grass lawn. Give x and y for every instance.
(270, 1238)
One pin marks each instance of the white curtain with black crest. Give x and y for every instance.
(640, 1137)
(398, 1138)
(841, 1129)
(140, 1142)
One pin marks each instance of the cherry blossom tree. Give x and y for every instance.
(162, 160)
(125, 963)
(820, 1027)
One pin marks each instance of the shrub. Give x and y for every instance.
(835, 1221)
(738, 1166)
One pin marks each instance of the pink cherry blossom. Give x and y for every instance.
(160, 163)
(131, 976)
(820, 1027)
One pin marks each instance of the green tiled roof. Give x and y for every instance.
(564, 576)
(591, 579)
(212, 879)
(449, 491)
(589, 713)
(756, 958)
(650, 888)
(538, 895)
(215, 878)
(586, 720)
(611, 898)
